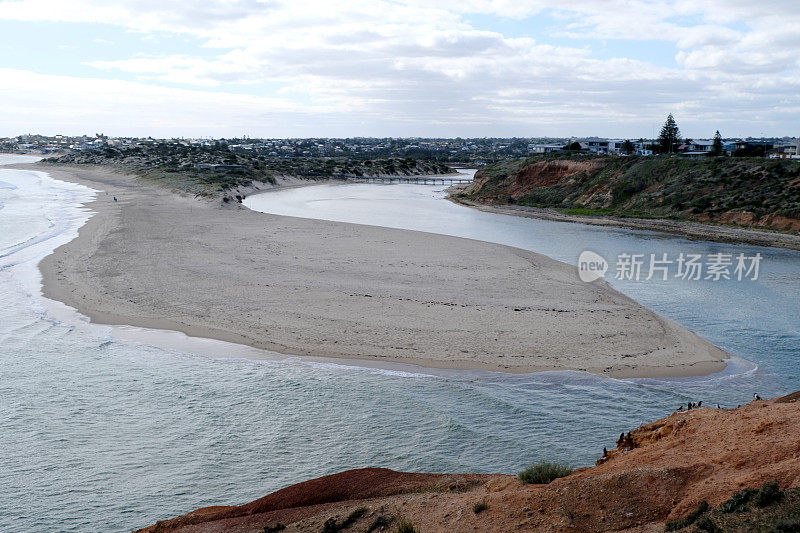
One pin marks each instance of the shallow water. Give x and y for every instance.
(758, 320)
(106, 434)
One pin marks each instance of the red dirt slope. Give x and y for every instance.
(661, 473)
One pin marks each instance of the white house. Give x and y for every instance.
(594, 145)
(597, 145)
(702, 145)
(544, 148)
(787, 151)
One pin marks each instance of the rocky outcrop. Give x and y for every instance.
(660, 471)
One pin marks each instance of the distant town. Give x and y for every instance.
(475, 151)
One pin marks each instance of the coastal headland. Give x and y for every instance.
(737, 200)
(154, 258)
(703, 469)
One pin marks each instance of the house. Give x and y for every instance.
(240, 147)
(544, 148)
(594, 145)
(698, 146)
(615, 146)
(597, 145)
(786, 151)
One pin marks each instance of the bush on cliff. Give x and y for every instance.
(404, 526)
(544, 472)
(768, 494)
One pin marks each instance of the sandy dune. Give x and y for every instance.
(306, 287)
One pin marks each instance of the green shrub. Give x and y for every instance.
(544, 472)
(738, 501)
(480, 507)
(404, 526)
(769, 493)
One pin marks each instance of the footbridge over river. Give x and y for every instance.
(418, 180)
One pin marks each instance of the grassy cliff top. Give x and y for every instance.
(747, 191)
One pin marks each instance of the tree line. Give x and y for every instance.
(668, 142)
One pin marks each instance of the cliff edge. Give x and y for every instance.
(754, 193)
(729, 469)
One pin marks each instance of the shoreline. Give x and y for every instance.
(60, 286)
(687, 229)
(729, 449)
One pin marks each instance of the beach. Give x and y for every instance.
(305, 287)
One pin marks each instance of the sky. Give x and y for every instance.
(380, 68)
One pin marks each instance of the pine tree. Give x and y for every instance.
(716, 148)
(670, 136)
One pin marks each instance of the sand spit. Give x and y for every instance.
(315, 288)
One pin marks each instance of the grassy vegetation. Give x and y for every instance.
(663, 187)
(207, 171)
(768, 494)
(404, 526)
(480, 507)
(544, 472)
(764, 510)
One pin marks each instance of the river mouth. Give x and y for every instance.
(100, 427)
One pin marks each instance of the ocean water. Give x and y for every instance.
(103, 431)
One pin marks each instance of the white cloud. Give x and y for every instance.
(378, 65)
(53, 104)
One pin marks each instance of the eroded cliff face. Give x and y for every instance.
(525, 178)
(752, 193)
(660, 471)
(545, 173)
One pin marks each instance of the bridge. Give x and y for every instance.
(418, 180)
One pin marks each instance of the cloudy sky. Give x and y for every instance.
(446, 68)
